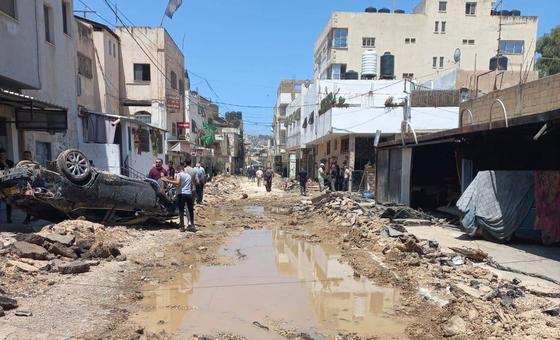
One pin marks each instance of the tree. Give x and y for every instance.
(549, 48)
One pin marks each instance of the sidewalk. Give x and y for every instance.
(520, 255)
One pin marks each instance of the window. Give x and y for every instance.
(443, 6)
(114, 50)
(368, 42)
(338, 71)
(470, 8)
(173, 80)
(440, 62)
(471, 42)
(407, 41)
(110, 48)
(408, 75)
(65, 11)
(328, 147)
(335, 144)
(141, 72)
(47, 12)
(344, 145)
(78, 86)
(413, 40)
(144, 117)
(436, 27)
(340, 36)
(434, 62)
(8, 7)
(85, 66)
(443, 26)
(181, 86)
(144, 140)
(512, 46)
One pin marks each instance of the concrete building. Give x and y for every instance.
(429, 36)
(287, 91)
(341, 129)
(116, 143)
(153, 81)
(37, 59)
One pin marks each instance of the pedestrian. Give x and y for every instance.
(346, 180)
(184, 182)
(227, 171)
(194, 177)
(321, 177)
(259, 174)
(200, 182)
(170, 170)
(302, 181)
(157, 171)
(332, 177)
(6, 164)
(28, 156)
(268, 174)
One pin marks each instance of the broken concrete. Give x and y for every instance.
(30, 250)
(8, 303)
(66, 240)
(62, 250)
(75, 267)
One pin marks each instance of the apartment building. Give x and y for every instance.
(287, 91)
(153, 80)
(38, 108)
(424, 42)
(115, 143)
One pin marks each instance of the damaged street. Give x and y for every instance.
(270, 265)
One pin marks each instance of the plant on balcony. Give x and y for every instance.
(331, 101)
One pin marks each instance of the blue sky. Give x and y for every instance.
(245, 47)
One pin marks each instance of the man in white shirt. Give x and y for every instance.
(259, 175)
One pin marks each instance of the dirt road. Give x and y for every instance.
(271, 266)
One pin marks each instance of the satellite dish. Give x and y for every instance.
(457, 55)
(307, 83)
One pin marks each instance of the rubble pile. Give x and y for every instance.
(469, 298)
(69, 247)
(220, 185)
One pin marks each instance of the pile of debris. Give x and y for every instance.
(220, 185)
(69, 247)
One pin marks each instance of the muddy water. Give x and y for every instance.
(274, 278)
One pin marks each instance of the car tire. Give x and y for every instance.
(74, 165)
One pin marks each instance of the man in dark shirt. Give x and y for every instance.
(158, 171)
(170, 170)
(268, 174)
(302, 174)
(6, 164)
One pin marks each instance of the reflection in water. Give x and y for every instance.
(282, 278)
(254, 209)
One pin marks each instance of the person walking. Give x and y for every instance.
(302, 181)
(6, 164)
(194, 175)
(200, 182)
(268, 174)
(259, 175)
(321, 177)
(346, 179)
(333, 176)
(184, 182)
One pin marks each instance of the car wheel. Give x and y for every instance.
(170, 191)
(74, 165)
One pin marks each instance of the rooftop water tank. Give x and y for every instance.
(399, 11)
(351, 75)
(371, 10)
(515, 12)
(500, 62)
(387, 66)
(384, 10)
(369, 64)
(506, 13)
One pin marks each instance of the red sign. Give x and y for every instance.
(173, 104)
(183, 125)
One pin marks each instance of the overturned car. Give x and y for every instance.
(71, 188)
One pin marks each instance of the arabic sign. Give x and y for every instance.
(183, 125)
(173, 104)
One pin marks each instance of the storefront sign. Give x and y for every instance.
(183, 125)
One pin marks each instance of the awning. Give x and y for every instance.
(180, 147)
(35, 115)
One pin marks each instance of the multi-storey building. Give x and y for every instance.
(287, 91)
(38, 109)
(153, 78)
(424, 42)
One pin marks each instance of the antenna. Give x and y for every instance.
(501, 5)
(84, 12)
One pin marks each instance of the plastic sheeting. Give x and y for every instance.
(497, 201)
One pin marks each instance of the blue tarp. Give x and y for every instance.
(497, 201)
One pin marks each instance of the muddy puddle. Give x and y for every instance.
(254, 209)
(278, 282)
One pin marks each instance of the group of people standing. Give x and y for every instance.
(6, 164)
(190, 182)
(336, 178)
